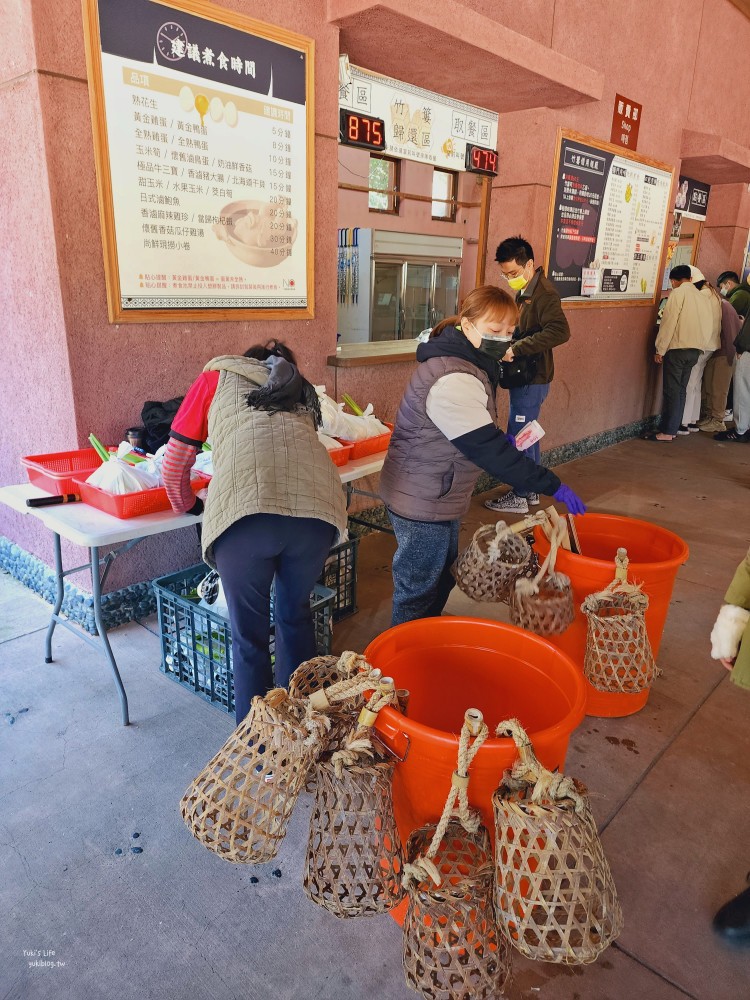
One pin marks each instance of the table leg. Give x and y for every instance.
(101, 629)
(59, 577)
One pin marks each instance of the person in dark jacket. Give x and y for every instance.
(445, 434)
(542, 326)
(735, 291)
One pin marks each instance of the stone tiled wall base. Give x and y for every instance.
(118, 607)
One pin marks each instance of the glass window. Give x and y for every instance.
(444, 187)
(384, 175)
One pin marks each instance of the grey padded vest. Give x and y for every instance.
(264, 463)
(425, 477)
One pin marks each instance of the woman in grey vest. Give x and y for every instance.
(445, 434)
(274, 506)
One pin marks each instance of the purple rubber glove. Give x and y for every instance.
(571, 500)
(510, 439)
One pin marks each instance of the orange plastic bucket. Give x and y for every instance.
(449, 665)
(655, 556)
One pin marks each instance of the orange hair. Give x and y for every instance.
(487, 301)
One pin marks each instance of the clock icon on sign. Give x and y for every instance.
(172, 40)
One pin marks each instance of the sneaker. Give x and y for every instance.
(693, 428)
(682, 430)
(713, 426)
(732, 435)
(510, 503)
(533, 499)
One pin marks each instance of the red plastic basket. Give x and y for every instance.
(369, 446)
(340, 456)
(131, 504)
(54, 472)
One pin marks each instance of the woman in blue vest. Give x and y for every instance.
(445, 435)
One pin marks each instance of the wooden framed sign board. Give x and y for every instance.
(608, 217)
(204, 132)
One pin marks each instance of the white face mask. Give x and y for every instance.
(724, 291)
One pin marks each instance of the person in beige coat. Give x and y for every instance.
(692, 412)
(685, 332)
(730, 643)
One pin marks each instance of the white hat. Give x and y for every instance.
(696, 274)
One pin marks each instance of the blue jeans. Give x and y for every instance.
(250, 555)
(422, 578)
(525, 405)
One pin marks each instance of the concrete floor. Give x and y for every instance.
(669, 787)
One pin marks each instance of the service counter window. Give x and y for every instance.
(444, 191)
(412, 212)
(384, 177)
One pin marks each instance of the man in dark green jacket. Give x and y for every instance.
(542, 326)
(735, 291)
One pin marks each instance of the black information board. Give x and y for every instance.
(608, 213)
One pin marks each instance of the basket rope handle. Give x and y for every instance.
(493, 546)
(527, 587)
(424, 867)
(620, 584)
(527, 770)
(362, 677)
(358, 745)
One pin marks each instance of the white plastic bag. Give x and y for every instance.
(348, 426)
(331, 443)
(204, 463)
(116, 476)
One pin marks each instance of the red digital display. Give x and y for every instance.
(361, 130)
(480, 160)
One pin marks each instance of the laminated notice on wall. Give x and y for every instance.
(608, 216)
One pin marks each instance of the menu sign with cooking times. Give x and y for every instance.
(203, 133)
(607, 222)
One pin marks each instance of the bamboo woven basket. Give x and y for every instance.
(618, 658)
(555, 897)
(452, 947)
(547, 610)
(322, 672)
(239, 805)
(488, 566)
(354, 860)
(544, 604)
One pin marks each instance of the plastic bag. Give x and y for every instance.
(211, 593)
(330, 442)
(338, 423)
(117, 476)
(204, 463)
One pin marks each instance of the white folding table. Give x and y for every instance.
(94, 530)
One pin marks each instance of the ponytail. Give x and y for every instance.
(444, 324)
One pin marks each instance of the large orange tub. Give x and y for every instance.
(655, 556)
(449, 665)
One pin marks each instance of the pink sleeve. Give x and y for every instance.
(175, 469)
(190, 424)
